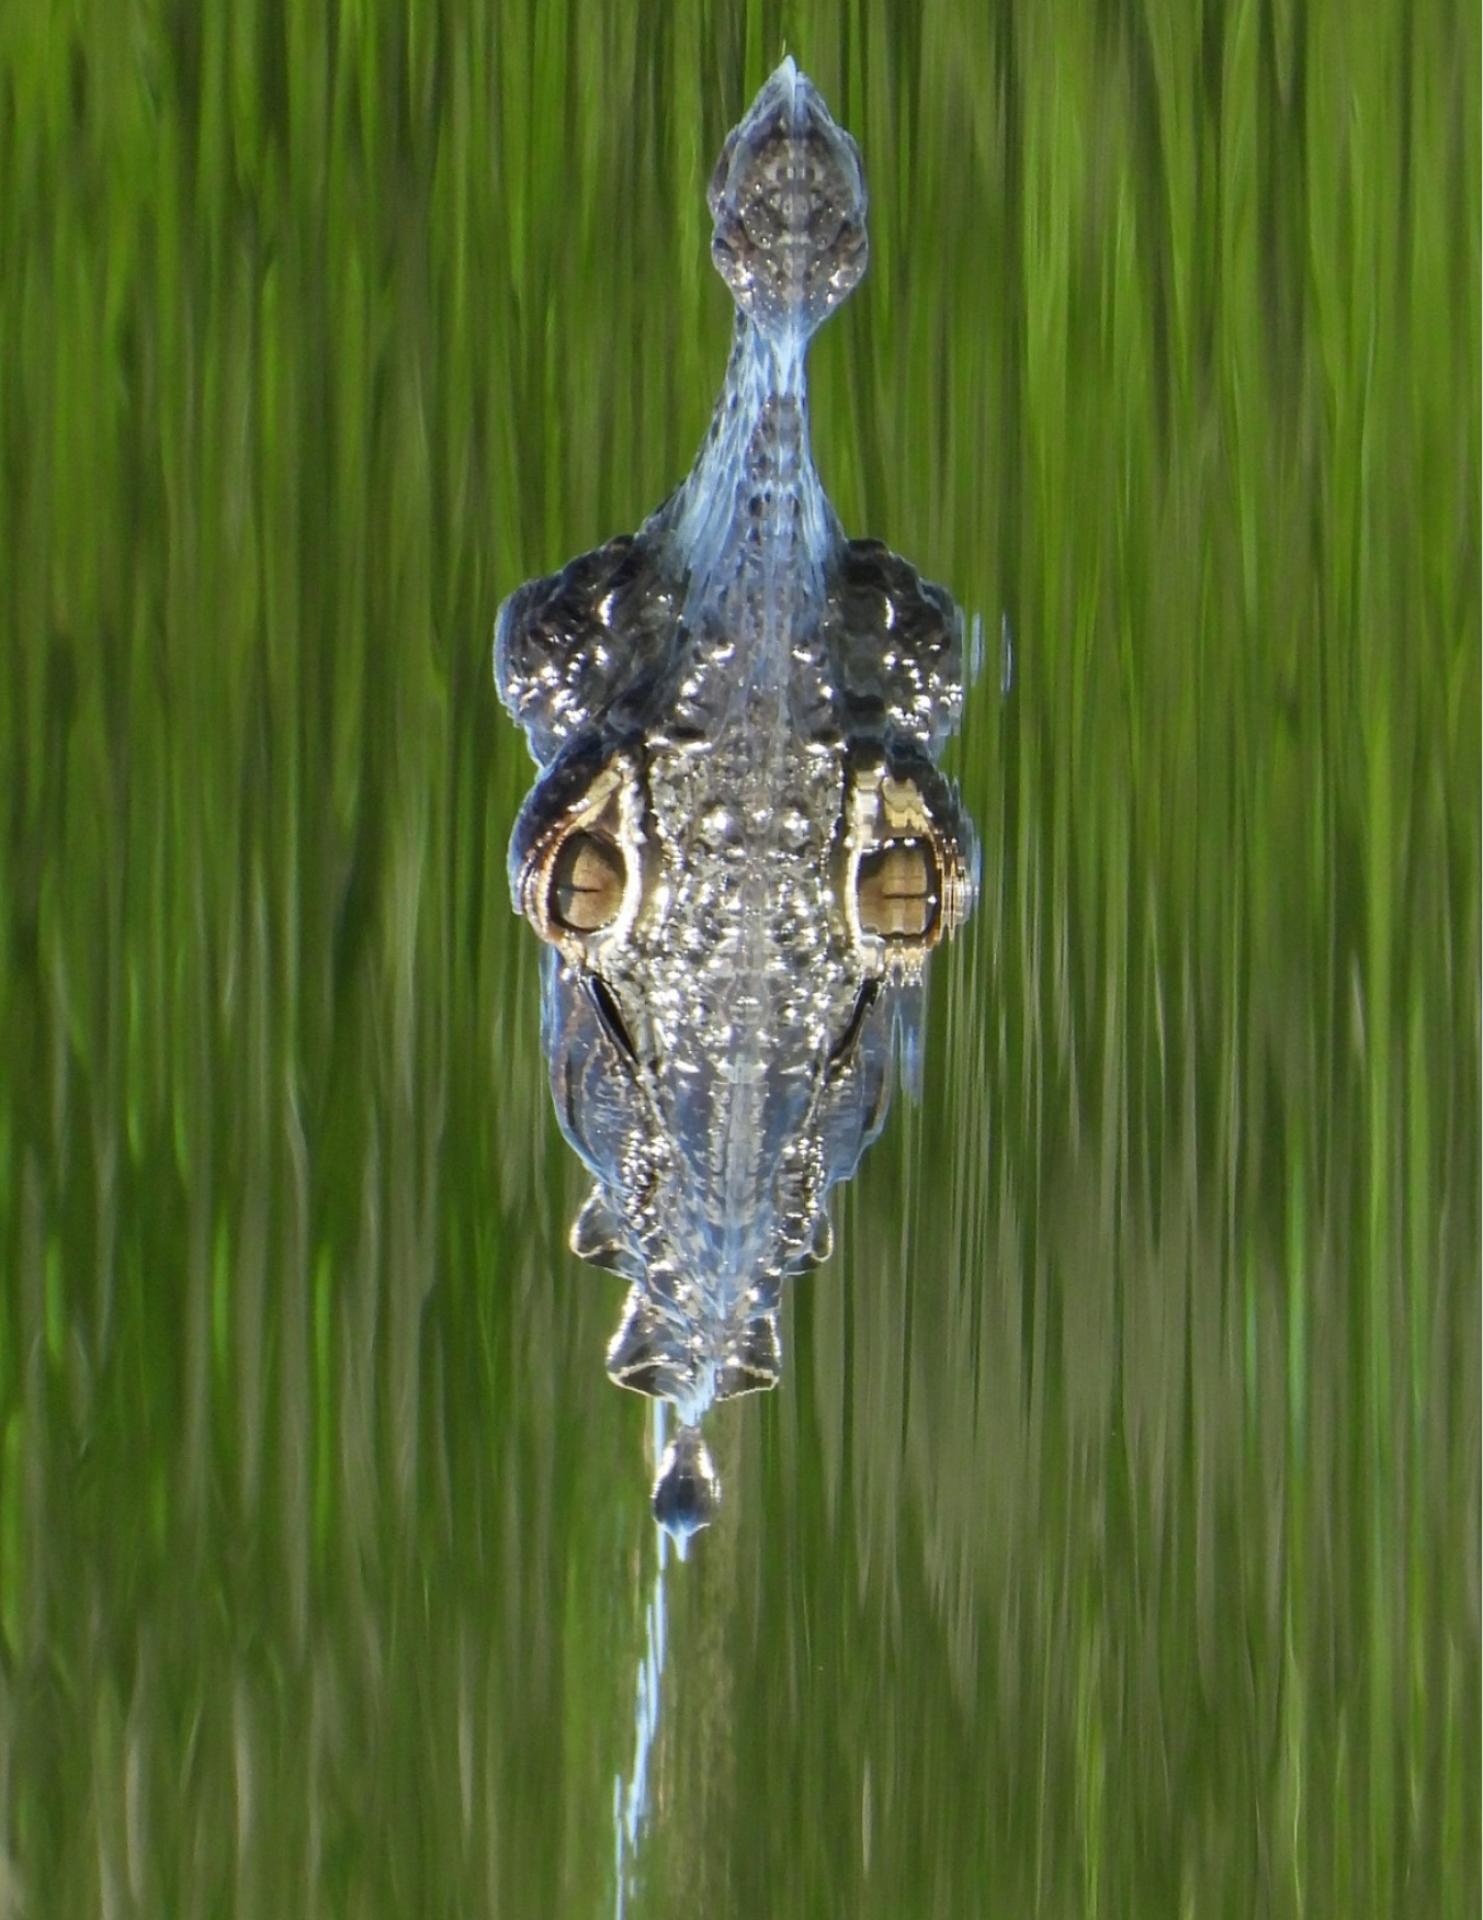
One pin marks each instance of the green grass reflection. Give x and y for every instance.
(1112, 1546)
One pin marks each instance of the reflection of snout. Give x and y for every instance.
(788, 201)
(794, 156)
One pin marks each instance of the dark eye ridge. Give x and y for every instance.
(844, 1046)
(606, 1009)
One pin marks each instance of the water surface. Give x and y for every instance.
(1112, 1543)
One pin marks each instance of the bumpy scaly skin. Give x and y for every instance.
(735, 712)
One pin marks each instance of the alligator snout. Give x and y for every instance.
(788, 201)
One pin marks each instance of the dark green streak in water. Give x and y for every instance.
(1112, 1545)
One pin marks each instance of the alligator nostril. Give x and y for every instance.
(687, 1492)
(587, 883)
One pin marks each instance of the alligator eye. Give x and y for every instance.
(580, 883)
(905, 879)
(588, 878)
(899, 890)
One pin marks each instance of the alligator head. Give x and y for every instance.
(739, 851)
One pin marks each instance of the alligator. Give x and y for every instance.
(739, 847)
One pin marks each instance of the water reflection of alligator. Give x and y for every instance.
(739, 849)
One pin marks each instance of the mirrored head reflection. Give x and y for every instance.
(739, 849)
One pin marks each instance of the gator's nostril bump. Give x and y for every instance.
(687, 1491)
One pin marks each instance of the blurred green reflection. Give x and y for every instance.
(1112, 1546)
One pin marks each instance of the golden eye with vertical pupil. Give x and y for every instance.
(905, 885)
(581, 882)
(588, 878)
(897, 886)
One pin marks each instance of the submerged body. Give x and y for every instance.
(739, 849)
